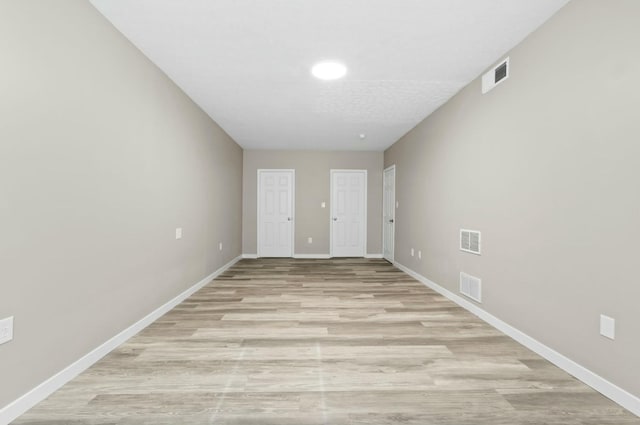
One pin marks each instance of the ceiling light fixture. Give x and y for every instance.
(329, 70)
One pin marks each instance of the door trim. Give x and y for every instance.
(389, 168)
(293, 207)
(366, 209)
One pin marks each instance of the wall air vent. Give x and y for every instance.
(471, 287)
(470, 241)
(495, 75)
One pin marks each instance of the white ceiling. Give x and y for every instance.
(247, 62)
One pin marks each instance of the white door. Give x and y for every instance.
(389, 212)
(275, 213)
(348, 213)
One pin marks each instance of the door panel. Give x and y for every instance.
(389, 213)
(275, 213)
(348, 205)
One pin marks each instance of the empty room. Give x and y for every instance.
(344, 212)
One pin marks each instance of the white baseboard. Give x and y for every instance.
(598, 383)
(312, 256)
(18, 407)
(316, 256)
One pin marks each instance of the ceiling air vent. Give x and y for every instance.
(471, 287)
(495, 76)
(470, 241)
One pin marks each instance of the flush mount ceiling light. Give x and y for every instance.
(329, 70)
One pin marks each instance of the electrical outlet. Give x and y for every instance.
(220, 246)
(309, 239)
(397, 204)
(412, 252)
(179, 233)
(323, 205)
(6, 330)
(607, 326)
(419, 255)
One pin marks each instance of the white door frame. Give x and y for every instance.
(393, 208)
(293, 206)
(366, 213)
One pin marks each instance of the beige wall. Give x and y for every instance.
(101, 158)
(312, 188)
(547, 166)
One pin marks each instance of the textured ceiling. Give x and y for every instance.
(247, 62)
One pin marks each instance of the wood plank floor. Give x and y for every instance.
(306, 342)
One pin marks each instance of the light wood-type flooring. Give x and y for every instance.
(307, 342)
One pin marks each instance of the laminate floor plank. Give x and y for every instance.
(315, 342)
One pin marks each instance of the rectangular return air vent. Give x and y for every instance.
(471, 287)
(470, 241)
(495, 75)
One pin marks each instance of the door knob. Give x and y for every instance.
(335, 218)
(288, 218)
(391, 221)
